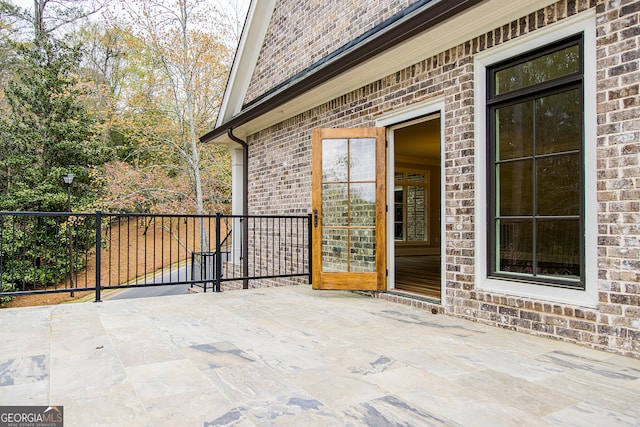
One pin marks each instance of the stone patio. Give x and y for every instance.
(297, 357)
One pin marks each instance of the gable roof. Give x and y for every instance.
(422, 30)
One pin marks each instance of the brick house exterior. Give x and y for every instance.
(286, 43)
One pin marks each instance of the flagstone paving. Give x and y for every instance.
(296, 357)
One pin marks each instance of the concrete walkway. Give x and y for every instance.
(297, 357)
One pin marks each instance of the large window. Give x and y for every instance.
(410, 210)
(536, 166)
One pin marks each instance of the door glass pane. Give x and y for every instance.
(335, 206)
(363, 250)
(558, 248)
(541, 69)
(515, 246)
(363, 204)
(363, 159)
(348, 205)
(335, 250)
(558, 123)
(514, 131)
(335, 160)
(515, 183)
(558, 185)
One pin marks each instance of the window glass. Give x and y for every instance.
(363, 250)
(537, 218)
(558, 121)
(514, 130)
(335, 250)
(415, 177)
(335, 205)
(515, 183)
(335, 160)
(362, 209)
(516, 246)
(398, 211)
(415, 212)
(539, 70)
(558, 248)
(410, 206)
(558, 185)
(362, 159)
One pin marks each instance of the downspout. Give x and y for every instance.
(245, 205)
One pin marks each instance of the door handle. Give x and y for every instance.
(315, 218)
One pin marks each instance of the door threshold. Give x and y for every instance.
(413, 295)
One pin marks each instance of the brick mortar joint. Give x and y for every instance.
(474, 296)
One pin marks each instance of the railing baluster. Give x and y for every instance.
(99, 255)
(35, 254)
(218, 259)
(144, 242)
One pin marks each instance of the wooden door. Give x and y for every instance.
(349, 204)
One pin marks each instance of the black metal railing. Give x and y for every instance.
(92, 252)
(273, 247)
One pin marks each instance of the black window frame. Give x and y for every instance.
(528, 93)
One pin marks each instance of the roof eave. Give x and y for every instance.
(431, 14)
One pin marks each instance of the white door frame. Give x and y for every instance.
(392, 121)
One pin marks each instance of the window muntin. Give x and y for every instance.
(536, 170)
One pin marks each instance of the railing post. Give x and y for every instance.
(245, 251)
(193, 270)
(218, 257)
(98, 253)
(310, 249)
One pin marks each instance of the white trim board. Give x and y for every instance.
(581, 23)
(395, 120)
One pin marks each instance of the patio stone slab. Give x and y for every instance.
(292, 356)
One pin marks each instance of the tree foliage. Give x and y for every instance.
(123, 96)
(176, 77)
(36, 253)
(119, 102)
(48, 130)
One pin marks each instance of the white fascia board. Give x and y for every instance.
(244, 63)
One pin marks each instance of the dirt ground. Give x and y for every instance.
(45, 299)
(133, 250)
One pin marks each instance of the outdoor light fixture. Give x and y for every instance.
(68, 178)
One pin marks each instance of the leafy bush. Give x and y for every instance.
(35, 250)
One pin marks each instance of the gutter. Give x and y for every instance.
(395, 30)
(245, 204)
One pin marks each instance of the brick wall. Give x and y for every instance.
(280, 175)
(618, 320)
(304, 32)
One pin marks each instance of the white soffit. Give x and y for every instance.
(478, 20)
